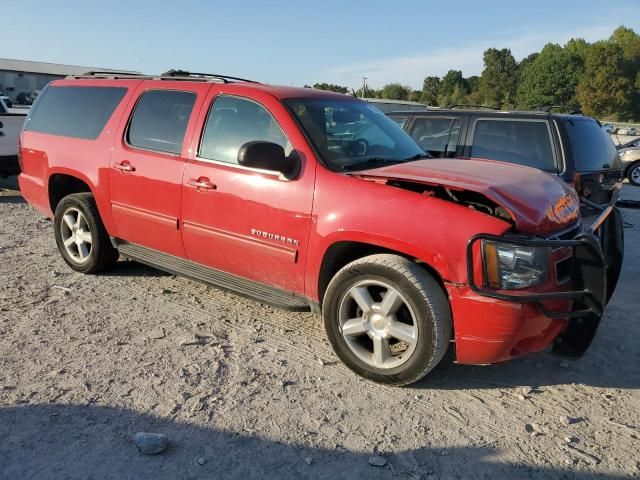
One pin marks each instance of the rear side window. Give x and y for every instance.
(437, 135)
(78, 112)
(160, 120)
(523, 142)
(401, 120)
(232, 122)
(591, 146)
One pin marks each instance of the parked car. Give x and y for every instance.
(573, 147)
(627, 131)
(24, 98)
(307, 199)
(630, 157)
(609, 127)
(11, 121)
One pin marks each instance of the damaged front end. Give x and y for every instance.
(554, 258)
(593, 269)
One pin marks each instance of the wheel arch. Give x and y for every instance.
(342, 252)
(629, 166)
(63, 183)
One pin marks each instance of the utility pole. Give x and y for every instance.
(364, 85)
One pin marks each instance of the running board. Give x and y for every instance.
(226, 281)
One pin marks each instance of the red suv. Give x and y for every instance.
(312, 200)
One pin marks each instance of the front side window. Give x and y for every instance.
(234, 121)
(523, 142)
(353, 135)
(437, 135)
(160, 120)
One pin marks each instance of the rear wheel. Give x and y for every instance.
(633, 174)
(80, 235)
(387, 319)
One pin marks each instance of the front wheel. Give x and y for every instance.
(387, 319)
(633, 175)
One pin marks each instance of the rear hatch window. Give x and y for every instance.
(591, 146)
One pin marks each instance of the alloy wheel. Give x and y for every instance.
(76, 235)
(378, 324)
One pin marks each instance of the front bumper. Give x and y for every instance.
(570, 313)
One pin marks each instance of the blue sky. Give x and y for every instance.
(298, 42)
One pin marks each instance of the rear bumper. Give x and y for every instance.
(500, 324)
(35, 192)
(9, 165)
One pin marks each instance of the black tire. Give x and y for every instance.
(102, 254)
(423, 294)
(634, 168)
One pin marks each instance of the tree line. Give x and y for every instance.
(601, 79)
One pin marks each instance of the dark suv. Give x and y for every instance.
(572, 146)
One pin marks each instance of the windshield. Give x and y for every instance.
(591, 146)
(353, 135)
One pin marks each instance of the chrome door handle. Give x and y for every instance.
(202, 183)
(124, 167)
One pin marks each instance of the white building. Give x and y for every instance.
(18, 76)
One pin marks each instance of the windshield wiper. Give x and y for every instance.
(372, 162)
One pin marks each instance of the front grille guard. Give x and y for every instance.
(596, 264)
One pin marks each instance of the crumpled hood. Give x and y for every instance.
(538, 202)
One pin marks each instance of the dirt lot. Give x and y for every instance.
(244, 390)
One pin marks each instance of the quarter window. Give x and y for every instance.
(77, 112)
(521, 142)
(160, 120)
(231, 123)
(437, 135)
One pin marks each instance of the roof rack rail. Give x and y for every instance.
(179, 76)
(207, 75)
(112, 72)
(548, 108)
(470, 106)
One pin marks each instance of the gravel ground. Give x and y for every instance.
(244, 390)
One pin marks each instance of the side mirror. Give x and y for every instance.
(268, 156)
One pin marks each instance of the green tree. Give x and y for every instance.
(331, 87)
(473, 90)
(551, 79)
(452, 88)
(395, 91)
(578, 47)
(499, 79)
(176, 72)
(606, 90)
(430, 88)
(629, 41)
(415, 95)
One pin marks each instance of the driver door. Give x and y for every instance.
(248, 222)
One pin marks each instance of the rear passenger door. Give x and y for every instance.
(145, 175)
(436, 134)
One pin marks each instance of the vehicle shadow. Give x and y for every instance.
(129, 268)
(11, 199)
(94, 442)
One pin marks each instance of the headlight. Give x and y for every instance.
(510, 267)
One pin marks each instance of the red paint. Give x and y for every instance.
(238, 220)
(520, 190)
